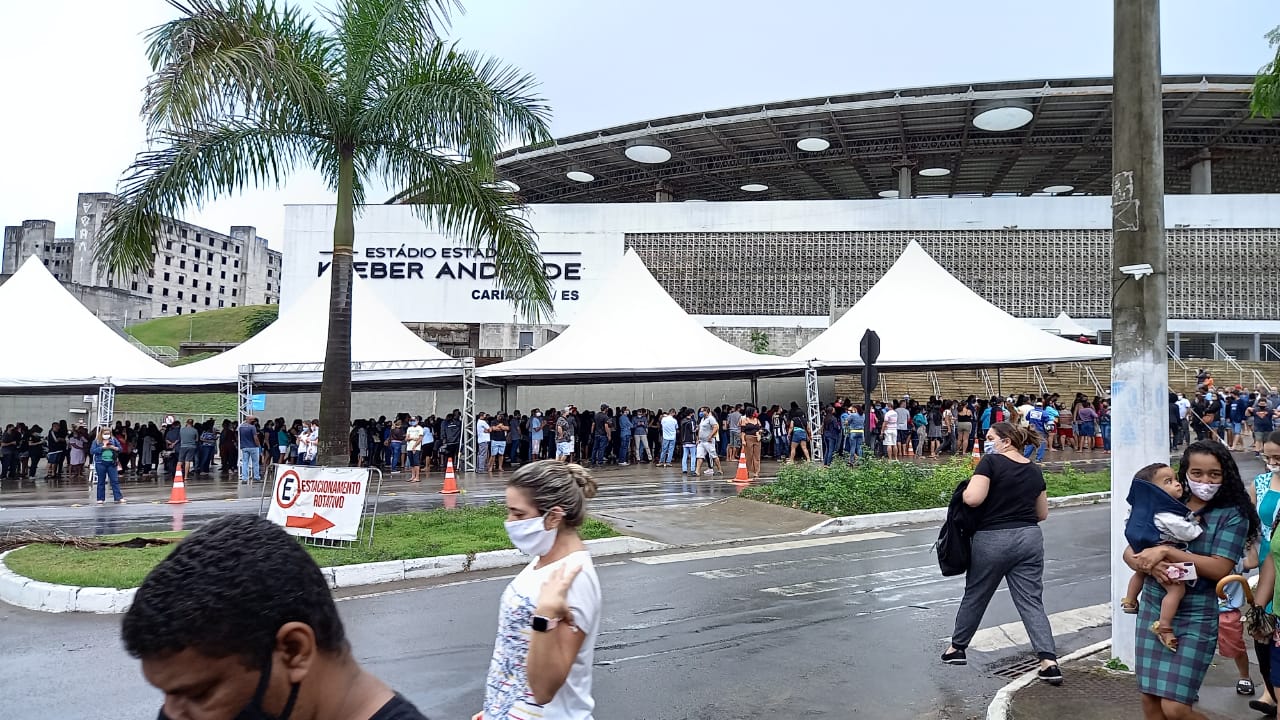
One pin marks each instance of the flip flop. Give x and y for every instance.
(1267, 709)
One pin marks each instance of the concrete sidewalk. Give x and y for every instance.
(1091, 692)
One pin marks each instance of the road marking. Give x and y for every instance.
(1013, 634)
(755, 549)
(878, 582)
(766, 567)
(402, 591)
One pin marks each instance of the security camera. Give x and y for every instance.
(1137, 272)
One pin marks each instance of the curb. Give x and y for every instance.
(999, 707)
(41, 596)
(850, 523)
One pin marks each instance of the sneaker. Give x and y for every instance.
(122, 501)
(1051, 675)
(622, 463)
(955, 657)
(708, 472)
(101, 502)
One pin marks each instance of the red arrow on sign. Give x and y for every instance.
(316, 523)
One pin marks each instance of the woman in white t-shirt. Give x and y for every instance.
(550, 613)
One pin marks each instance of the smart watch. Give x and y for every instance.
(544, 624)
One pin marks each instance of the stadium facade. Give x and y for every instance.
(770, 218)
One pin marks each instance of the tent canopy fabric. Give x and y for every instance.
(300, 335)
(94, 355)
(928, 319)
(608, 340)
(1064, 325)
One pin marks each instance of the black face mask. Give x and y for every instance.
(254, 711)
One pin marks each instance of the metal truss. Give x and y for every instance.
(106, 408)
(815, 417)
(468, 416)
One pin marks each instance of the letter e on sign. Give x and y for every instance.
(288, 488)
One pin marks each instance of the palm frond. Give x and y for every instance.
(462, 204)
(189, 166)
(237, 57)
(445, 98)
(1265, 100)
(375, 35)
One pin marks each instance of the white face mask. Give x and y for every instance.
(530, 536)
(1204, 491)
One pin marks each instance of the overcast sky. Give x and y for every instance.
(73, 69)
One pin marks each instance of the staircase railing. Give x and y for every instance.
(1181, 365)
(1087, 373)
(933, 383)
(1220, 354)
(987, 385)
(1261, 381)
(1033, 373)
(1267, 351)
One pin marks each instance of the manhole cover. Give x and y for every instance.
(1017, 668)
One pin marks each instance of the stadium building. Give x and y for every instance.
(769, 219)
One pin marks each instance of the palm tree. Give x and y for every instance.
(1266, 87)
(245, 91)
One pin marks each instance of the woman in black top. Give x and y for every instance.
(35, 449)
(1008, 501)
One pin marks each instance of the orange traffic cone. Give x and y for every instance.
(911, 449)
(178, 495)
(977, 453)
(450, 481)
(741, 477)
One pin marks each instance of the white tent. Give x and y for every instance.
(637, 333)
(300, 336)
(928, 319)
(73, 349)
(1064, 325)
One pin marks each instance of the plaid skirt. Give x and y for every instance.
(1165, 674)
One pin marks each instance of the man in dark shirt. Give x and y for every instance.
(9, 451)
(600, 433)
(249, 450)
(221, 644)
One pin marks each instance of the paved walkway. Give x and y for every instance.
(1091, 692)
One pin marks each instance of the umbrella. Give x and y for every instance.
(1260, 624)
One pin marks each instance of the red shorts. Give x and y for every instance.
(1230, 634)
(1066, 432)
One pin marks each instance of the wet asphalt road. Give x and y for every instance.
(846, 626)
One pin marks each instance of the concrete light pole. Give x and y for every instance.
(1139, 310)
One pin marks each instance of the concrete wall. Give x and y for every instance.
(114, 306)
(782, 340)
(44, 408)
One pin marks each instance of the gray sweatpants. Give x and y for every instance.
(1017, 557)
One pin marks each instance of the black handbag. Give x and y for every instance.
(953, 544)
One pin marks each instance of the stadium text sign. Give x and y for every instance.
(319, 502)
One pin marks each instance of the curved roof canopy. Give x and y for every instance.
(916, 286)
(95, 354)
(1040, 134)
(300, 336)
(598, 347)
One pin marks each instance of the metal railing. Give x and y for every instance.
(1087, 374)
(1220, 354)
(987, 385)
(1268, 351)
(933, 383)
(1181, 365)
(1261, 381)
(1034, 375)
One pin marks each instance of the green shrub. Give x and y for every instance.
(880, 486)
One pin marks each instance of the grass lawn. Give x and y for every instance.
(396, 537)
(179, 404)
(878, 486)
(221, 325)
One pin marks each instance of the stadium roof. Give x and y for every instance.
(1065, 141)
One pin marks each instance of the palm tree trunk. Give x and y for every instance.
(335, 384)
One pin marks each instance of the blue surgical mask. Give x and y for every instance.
(988, 447)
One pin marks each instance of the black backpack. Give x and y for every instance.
(954, 535)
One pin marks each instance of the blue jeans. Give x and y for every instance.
(205, 461)
(1031, 449)
(1106, 435)
(513, 449)
(689, 461)
(668, 451)
(830, 444)
(396, 448)
(853, 445)
(249, 464)
(107, 471)
(624, 446)
(599, 445)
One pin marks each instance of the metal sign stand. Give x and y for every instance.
(365, 536)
